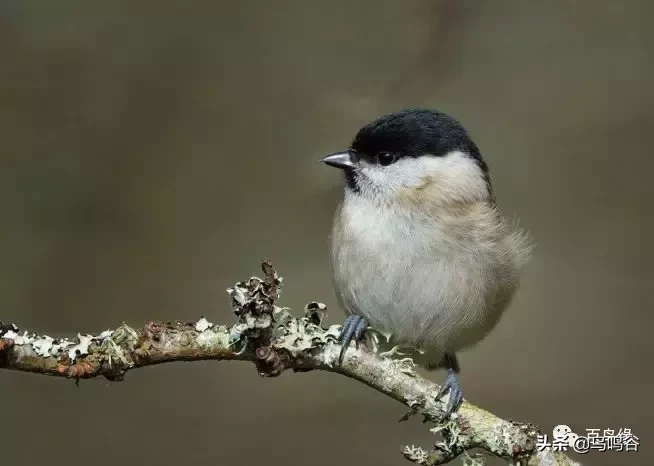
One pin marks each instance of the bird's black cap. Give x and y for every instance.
(415, 132)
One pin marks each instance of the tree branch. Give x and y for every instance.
(274, 340)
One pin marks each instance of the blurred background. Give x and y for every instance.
(152, 152)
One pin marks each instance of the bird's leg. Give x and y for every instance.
(353, 328)
(451, 385)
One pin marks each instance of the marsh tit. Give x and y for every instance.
(419, 248)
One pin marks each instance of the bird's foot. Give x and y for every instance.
(354, 328)
(452, 386)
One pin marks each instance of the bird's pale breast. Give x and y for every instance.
(418, 278)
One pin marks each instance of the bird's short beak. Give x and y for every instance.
(342, 160)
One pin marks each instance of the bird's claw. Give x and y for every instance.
(452, 386)
(354, 328)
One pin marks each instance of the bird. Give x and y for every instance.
(419, 248)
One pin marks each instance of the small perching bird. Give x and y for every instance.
(418, 247)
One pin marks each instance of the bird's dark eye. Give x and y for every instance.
(385, 158)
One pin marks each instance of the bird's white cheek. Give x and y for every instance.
(451, 178)
(405, 173)
(456, 176)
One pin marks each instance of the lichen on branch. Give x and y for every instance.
(275, 340)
